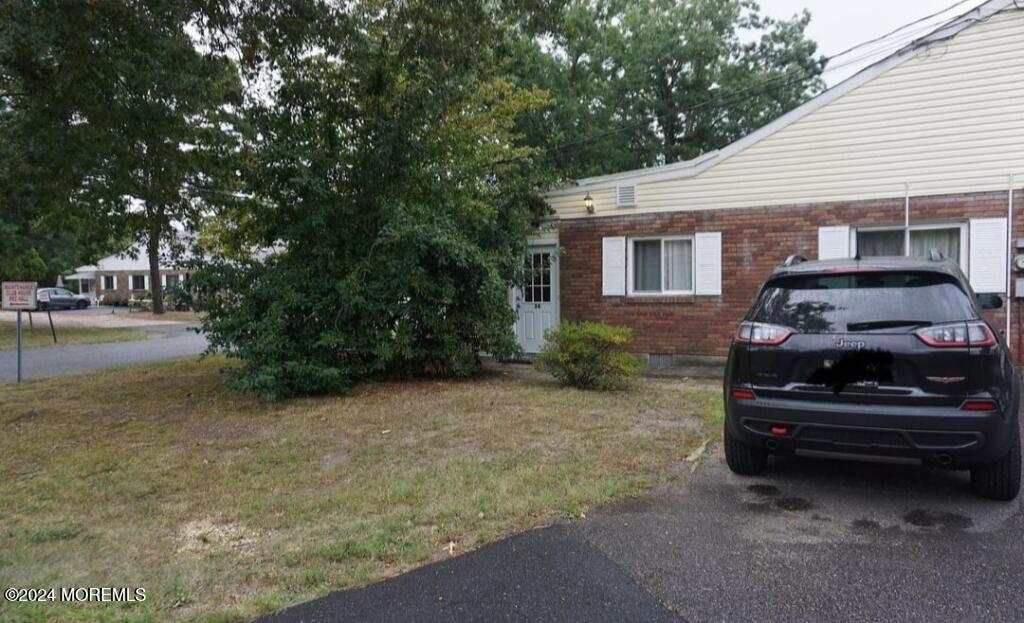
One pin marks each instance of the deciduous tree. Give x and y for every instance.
(636, 84)
(389, 182)
(129, 117)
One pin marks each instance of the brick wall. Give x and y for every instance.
(754, 241)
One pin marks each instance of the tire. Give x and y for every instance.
(43, 306)
(743, 459)
(81, 305)
(999, 480)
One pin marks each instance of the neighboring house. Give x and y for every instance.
(117, 278)
(915, 152)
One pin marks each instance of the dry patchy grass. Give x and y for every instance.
(224, 507)
(40, 336)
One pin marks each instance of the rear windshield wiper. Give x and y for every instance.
(886, 324)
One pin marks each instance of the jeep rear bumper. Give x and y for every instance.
(945, 435)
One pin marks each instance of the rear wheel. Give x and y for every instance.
(81, 305)
(999, 480)
(743, 459)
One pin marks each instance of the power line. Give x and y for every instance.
(734, 96)
(903, 27)
(727, 98)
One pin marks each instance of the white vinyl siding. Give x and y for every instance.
(950, 120)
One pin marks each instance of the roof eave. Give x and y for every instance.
(699, 165)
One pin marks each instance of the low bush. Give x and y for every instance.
(589, 355)
(178, 298)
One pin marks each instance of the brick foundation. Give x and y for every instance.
(754, 241)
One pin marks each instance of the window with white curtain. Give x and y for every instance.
(661, 265)
(890, 241)
(922, 241)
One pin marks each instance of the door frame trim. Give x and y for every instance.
(556, 286)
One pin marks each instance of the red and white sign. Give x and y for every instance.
(42, 296)
(19, 295)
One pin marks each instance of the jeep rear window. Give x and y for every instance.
(829, 303)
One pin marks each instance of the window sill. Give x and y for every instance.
(654, 299)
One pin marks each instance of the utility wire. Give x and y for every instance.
(720, 99)
(788, 78)
(780, 81)
(736, 96)
(901, 28)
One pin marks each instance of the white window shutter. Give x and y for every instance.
(708, 263)
(613, 266)
(988, 257)
(115, 282)
(834, 242)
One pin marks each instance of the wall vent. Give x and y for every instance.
(625, 196)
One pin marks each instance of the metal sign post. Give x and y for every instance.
(19, 296)
(43, 296)
(18, 330)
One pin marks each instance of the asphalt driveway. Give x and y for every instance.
(168, 341)
(813, 540)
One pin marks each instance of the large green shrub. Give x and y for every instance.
(390, 179)
(589, 355)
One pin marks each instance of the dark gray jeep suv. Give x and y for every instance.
(874, 357)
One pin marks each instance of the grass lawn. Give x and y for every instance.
(177, 316)
(223, 507)
(41, 336)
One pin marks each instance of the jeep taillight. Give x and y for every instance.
(957, 335)
(762, 334)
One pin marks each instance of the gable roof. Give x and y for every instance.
(136, 258)
(696, 166)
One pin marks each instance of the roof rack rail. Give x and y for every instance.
(793, 260)
(936, 256)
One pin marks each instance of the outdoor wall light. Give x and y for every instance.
(588, 202)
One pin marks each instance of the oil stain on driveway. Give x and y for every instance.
(812, 540)
(817, 540)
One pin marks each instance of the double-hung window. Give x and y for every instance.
(138, 282)
(109, 282)
(949, 239)
(660, 266)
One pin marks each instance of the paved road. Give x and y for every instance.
(812, 540)
(169, 342)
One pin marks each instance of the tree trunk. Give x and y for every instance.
(156, 287)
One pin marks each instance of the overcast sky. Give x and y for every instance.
(840, 24)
